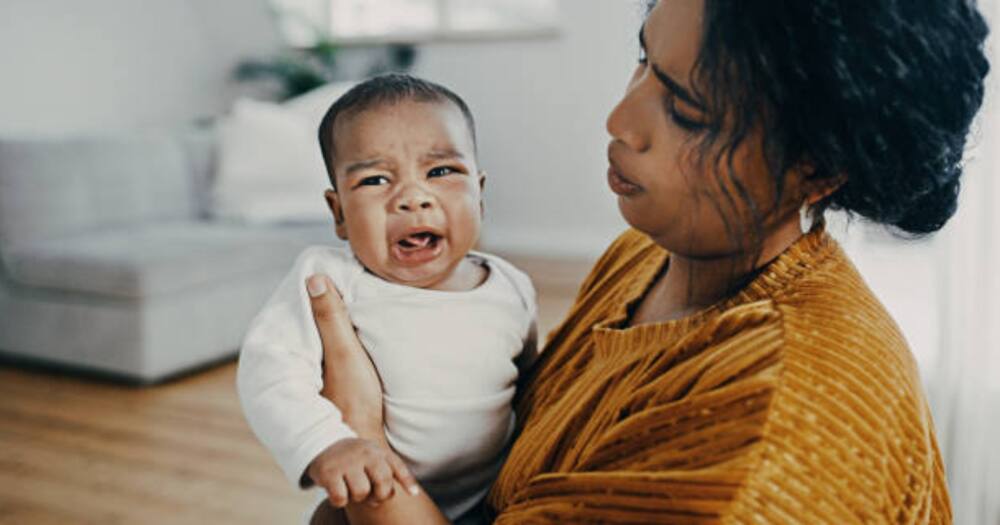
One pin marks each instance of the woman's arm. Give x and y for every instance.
(352, 383)
(279, 378)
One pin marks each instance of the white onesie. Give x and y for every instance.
(446, 359)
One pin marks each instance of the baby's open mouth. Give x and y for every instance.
(417, 248)
(418, 241)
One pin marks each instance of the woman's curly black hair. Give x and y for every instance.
(880, 91)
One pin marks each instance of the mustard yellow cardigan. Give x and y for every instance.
(795, 401)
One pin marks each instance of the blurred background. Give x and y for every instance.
(158, 173)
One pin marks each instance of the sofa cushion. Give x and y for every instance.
(144, 340)
(59, 187)
(150, 260)
(270, 169)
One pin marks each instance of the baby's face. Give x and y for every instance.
(409, 191)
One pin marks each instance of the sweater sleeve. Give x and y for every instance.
(279, 376)
(672, 438)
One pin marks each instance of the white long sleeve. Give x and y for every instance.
(280, 376)
(447, 360)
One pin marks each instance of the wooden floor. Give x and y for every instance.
(76, 450)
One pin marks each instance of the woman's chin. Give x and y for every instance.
(636, 216)
(663, 232)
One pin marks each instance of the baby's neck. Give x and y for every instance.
(467, 275)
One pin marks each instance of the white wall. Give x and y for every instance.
(541, 106)
(73, 65)
(97, 64)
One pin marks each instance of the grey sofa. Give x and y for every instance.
(108, 262)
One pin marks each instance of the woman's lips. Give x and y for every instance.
(620, 185)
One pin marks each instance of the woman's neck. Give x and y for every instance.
(690, 285)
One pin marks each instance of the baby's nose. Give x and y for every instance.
(414, 202)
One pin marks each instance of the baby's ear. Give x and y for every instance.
(482, 186)
(333, 202)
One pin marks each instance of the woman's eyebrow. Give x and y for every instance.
(680, 91)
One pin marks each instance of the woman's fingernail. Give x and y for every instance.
(414, 490)
(316, 286)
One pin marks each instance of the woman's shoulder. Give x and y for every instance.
(832, 318)
(848, 412)
(842, 348)
(827, 311)
(844, 430)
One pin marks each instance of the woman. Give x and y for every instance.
(749, 375)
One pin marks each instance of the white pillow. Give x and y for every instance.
(313, 104)
(270, 166)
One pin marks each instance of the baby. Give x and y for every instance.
(448, 329)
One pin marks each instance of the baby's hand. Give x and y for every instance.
(358, 470)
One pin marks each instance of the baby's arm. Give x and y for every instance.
(280, 377)
(529, 353)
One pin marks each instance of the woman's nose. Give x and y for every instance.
(628, 119)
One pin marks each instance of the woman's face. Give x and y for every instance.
(663, 189)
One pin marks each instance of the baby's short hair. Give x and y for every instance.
(385, 90)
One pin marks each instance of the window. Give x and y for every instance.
(386, 21)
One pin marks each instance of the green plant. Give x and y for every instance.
(296, 71)
(300, 69)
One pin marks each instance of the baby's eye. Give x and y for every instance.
(374, 180)
(441, 171)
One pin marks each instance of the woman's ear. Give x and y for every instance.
(813, 187)
(818, 188)
(333, 202)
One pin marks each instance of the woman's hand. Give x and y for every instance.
(349, 377)
(351, 382)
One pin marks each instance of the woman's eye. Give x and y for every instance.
(374, 180)
(440, 171)
(686, 123)
(642, 56)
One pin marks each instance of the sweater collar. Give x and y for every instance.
(802, 256)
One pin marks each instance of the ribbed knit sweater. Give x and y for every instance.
(794, 401)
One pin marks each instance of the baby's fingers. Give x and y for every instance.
(336, 489)
(381, 477)
(358, 485)
(403, 475)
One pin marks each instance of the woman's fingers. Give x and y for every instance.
(403, 475)
(349, 377)
(330, 314)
